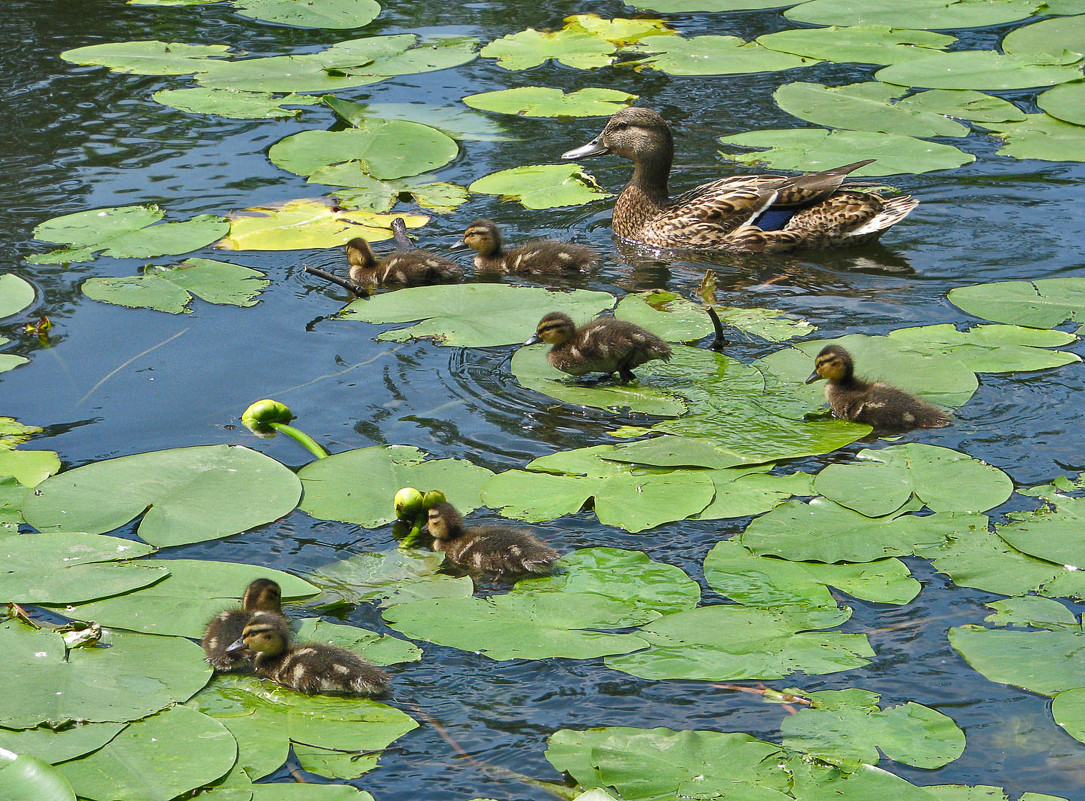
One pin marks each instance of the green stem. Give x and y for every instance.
(301, 437)
(414, 533)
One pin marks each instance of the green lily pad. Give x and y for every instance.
(388, 149)
(358, 486)
(937, 14)
(882, 481)
(737, 643)
(1065, 103)
(847, 726)
(984, 69)
(542, 186)
(188, 494)
(369, 194)
(124, 232)
(232, 103)
(148, 57)
(1041, 136)
(1031, 610)
(336, 14)
(155, 759)
(619, 31)
(380, 649)
(139, 675)
(471, 315)
(691, 6)
(1043, 303)
(964, 104)
(665, 314)
(298, 224)
(66, 568)
(392, 577)
(59, 745)
(765, 582)
(28, 468)
(170, 289)
(1068, 709)
(713, 55)
(1044, 662)
(1048, 36)
(27, 778)
(193, 592)
(1054, 532)
(16, 294)
(807, 149)
(863, 44)
(459, 123)
(541, 101)
(569, 46)
(770, 324)
(862, 107)
(266, 719)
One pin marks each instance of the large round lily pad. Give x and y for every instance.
(26, 778)
(148, 57)
(542, 186)
(336, 14)
(984, 69)
(1043, 303)
(938, 14)
(541, 101)
(865, 44)
(15, 294)
(714, 55)
(1041, 136)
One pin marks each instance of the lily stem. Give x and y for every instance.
(302, 438)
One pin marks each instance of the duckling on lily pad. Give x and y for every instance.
(538, 257)
(402, 268)
(880, 405)
(263, 595)
(309, 668)
(498, 550)
(603, 345)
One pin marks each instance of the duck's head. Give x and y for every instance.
(360, 256)
(265, 633)
(833, 363)
(638, 134)
(263, 595)
(444, 521)
(484, 237)
(556, 328)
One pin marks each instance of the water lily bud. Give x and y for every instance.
(408, 503)
(432, 498)
(258, 416)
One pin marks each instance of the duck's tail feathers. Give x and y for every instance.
(802, 190)
(896, 209)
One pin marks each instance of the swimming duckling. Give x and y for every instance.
(604, 345)
(494, 549)
(877, 404)
(538, 257)
(309, 668)
(263, 595)
(401, 268)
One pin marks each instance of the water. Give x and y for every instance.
(118, 381)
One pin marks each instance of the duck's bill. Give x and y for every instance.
(533, 340)
(593, 148)
(235, 646)
(813, 377)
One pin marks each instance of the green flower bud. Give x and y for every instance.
(408, 503)
(258, 417)
(432, 498)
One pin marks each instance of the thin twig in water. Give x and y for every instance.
(109, 375)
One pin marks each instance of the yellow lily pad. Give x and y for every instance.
(298, 224)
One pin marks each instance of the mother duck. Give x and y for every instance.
(744, 212)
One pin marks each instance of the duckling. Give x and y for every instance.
(877, 404)
(538, 257)
(494, 549)
(604, 345)
(263, 595)
(402, 268)
(310, 668)
(740, 213)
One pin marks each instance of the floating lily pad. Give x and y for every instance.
(1068, 709)
(266, 719)
(392, 577)
(714, 55)
(1048, 36)
(1065, 103)
(471, 315)
(27, 778)
(862, 107)
(847, 726)
(569, 46)
(369, 194)
(984, 69)
(299, 224)
(542, 186)
(188, 494)
(155, 759)
(28, 468)
(770, 324)
(16, 294)
(665, 314)
(1032, 610)
(138, 675)
(1055, 532)
(170, 289)
(380, 649)
(1043, 303)
(181, 604)
(541, 101)
(59, 745)
(232, 103)
(459, 123)
(937, 14)
(619, 31)
(124, 232)
(963, 104)
(148, 57)
(882, 481)
(691, 6)
(808, 149)
(1044, 662)
(358, 486)
(1041, 136)
(864, 44)
(336, 14)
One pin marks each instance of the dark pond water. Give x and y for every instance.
(119, 381)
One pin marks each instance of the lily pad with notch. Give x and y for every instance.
(148, 57)
(232, 103)
(390, 577)
(1041, 136)
(170, 289)
(542, 186)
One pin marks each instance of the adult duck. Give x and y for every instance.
(742, 213)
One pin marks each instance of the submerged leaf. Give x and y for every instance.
(170, 289)
(542, 186)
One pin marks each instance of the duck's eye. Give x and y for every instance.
(620, 126)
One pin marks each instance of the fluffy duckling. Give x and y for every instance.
(538, 257)
(495, 549)
(604, 345)
(401, 268)
(309, 668)
(263, 595)
(877, 404)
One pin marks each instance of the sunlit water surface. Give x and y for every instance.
(77, 138)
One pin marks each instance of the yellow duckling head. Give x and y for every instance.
(359, 256)
(263, 595)
(833, 363)
(444, 522)
(484, 237)
(556, 328)
(265, 634)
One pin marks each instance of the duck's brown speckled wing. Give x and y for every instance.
(849, 217)
(705, 216)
